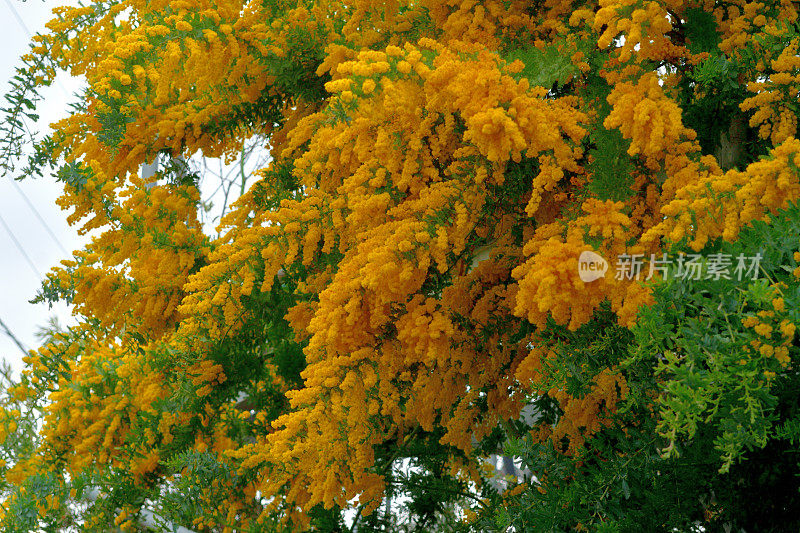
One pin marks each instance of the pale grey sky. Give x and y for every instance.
(19, 280)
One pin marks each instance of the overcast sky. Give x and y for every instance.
(19, 279)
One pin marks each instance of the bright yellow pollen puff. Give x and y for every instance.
(368, 86)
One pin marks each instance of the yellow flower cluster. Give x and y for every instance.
(584, 416)
(740, 21)
(720, 204)
(549, 285)
(775, 331)
(643, 24)
(774, 98)
(646, 116)
(132, 275)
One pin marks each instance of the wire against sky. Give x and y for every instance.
(39, 216)
(18, 17)
(13, 337)
(20, 248)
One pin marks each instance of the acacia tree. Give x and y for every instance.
(402, 278)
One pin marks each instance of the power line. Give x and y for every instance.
(20, 248)
(13, 337)
(19, 19)
(39, 216)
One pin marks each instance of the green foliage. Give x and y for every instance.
(701, 32)
(611, 167)
(21, 106)
(35, 73)
(709, 423)
(712, 94)
(545, 66)
(712, 374)
(184, 500)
